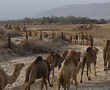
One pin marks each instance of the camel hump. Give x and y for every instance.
(38, 59)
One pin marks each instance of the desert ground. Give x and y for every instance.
(100, 82)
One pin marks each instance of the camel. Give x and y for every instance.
(9, 79)
(73, 55)
(106, 54)
(39, 69)
(90, 40)
(90, 57)
(55, 60)
(69, 70)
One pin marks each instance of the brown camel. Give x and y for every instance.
(69, 70)
(54, 59)
(90, 56)
(9, 79)
(106, 54)
(39, 69)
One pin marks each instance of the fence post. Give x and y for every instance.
(9, 41)
(27, 38)
(41, 35)
(71, 38)
(53, 35)
(26, 33)
(62, 35)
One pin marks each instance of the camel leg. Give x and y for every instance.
(83, 42)
(95, 68)
(45, 82)
(83, 65)
(76, 83)
(1, 88)
(51, 85)
(59, 86)
(31, 81)
(108, 63)
(53, 76)
(29, 84)
(42, 84)
(65, 85)
(68, 85)
(88, 69)
(105, 62)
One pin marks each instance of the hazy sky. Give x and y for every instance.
(13, 9)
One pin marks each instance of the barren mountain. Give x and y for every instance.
(94, 10)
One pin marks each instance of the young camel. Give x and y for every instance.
(38, 69)
(90, 56)
(9, 79)
(54, 59)
(69, 70)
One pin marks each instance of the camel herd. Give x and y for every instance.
(68, 68)
(69, 63)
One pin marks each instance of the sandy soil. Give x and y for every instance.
(101, 82)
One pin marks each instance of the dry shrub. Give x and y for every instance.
(36, 47)
(31, 47)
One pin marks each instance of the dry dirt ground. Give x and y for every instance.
(100, 82)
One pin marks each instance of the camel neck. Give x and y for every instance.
(12, 78)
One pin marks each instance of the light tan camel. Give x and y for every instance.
(90, 57)
(69, 70)
(55, 60)
(75, 56)
(39, 69)
(9, 79)
(106, 55)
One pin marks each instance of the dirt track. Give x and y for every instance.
(101, 82)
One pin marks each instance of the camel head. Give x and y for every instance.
(96, 50)
(12, 78)
(74, 55)
(39, 58)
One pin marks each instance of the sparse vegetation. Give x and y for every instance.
(59, 20)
